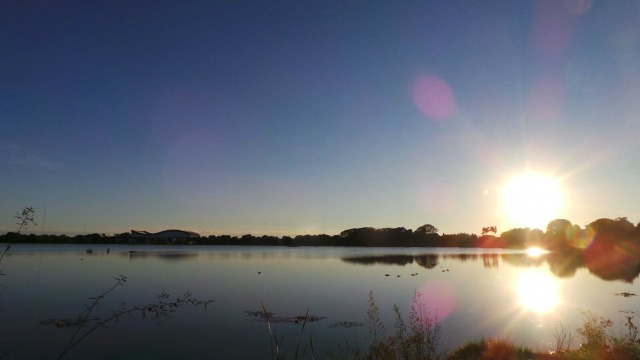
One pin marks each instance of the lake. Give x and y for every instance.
(474, 293)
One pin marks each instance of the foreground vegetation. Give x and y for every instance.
(598, 342)
(419, 339)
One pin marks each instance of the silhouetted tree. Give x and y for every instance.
(426, 235)
(393, 237)
(558, 235)
(427, 229)
(357, 236)
(620, 227)
(518, 238)
(458, 240)
(287, 240)
(488, 229)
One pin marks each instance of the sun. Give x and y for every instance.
(531, 200)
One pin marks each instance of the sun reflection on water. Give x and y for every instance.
(535, 251)
(537, 291)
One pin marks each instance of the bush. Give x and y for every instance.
(416, 341)
(492, 349)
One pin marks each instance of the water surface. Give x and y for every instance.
(474, 293)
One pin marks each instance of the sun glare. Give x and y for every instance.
(535, 251)
(537, 291)
(531, 200)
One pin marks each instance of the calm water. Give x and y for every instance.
(476, 293)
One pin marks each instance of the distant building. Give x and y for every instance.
(163, 237)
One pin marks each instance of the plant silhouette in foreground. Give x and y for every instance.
(492, 349)
(562, 337)
(277, 352)
(601, 343)
(417, 340)
(163, 307)
(25, 218)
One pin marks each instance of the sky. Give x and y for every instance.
(309, 117)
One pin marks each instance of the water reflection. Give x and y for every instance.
(401, 260)
(535, 251)
(523, 260)
(486, 293)
(609, 262)
(427, 261)
(164, 255)
(537, 290)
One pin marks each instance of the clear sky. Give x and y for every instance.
(293, 117)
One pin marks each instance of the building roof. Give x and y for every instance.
(164, 233)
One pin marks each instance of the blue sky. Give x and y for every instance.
(292, 117)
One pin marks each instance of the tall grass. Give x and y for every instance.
(601, 341)
(416, 340)
(276, 343)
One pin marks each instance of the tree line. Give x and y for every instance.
(560, 235)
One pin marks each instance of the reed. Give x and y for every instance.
(276, 343)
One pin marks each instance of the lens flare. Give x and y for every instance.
(433, 96)
(438, 300)
(580, 239)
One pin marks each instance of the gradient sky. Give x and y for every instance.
(293, 117)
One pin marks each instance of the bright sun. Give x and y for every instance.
(531, 200)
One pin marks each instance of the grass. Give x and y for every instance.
(419, 338)
(599, 341)
(492, 349)
(275, 342)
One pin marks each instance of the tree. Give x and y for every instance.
(427, 229)
(357, 236)
(488, 229)
(558, 228)
(516, 238)
(620, 227)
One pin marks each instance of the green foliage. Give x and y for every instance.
(419, 340)
(627, 345)
(594, 332)
(601, 343)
